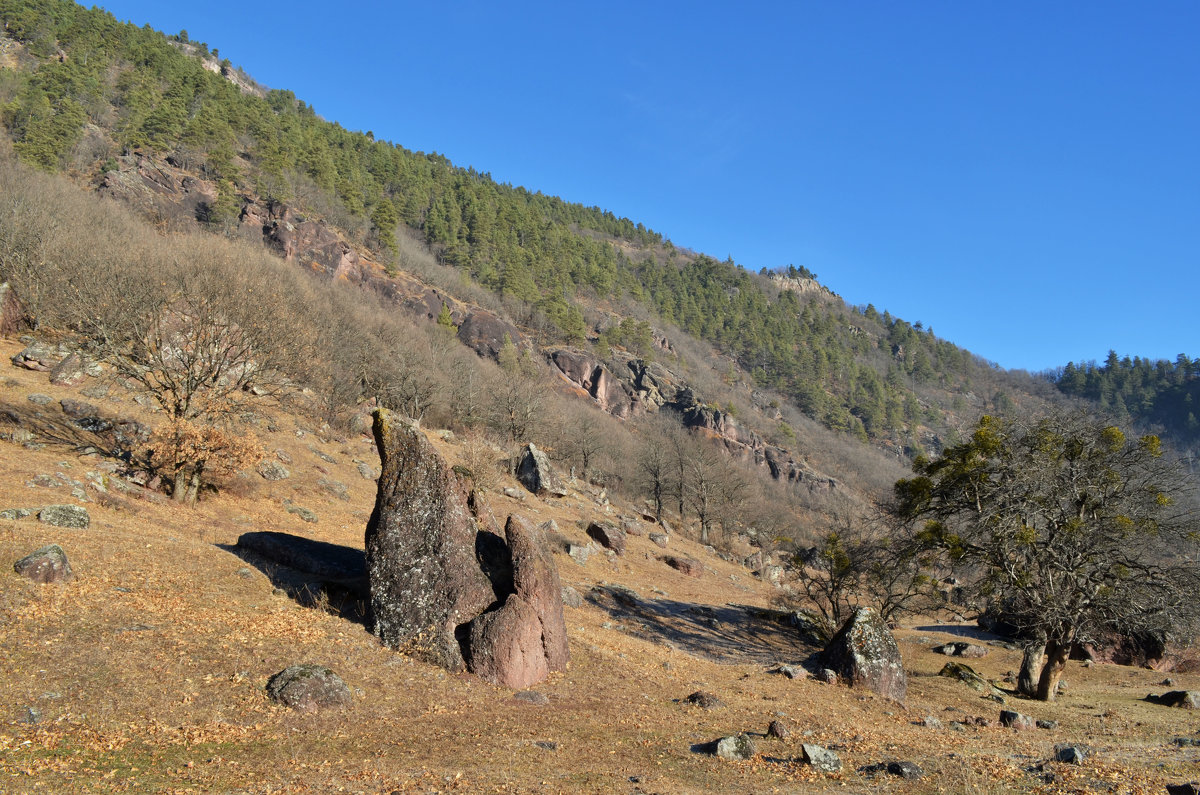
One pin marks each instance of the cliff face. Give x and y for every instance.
(639, 387)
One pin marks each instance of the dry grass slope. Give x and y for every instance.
(147, 672)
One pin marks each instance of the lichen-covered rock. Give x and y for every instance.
(704, 700)
(536, 474)
(308, 687)
(69, 372)
(524, 640)
(609, 535)
(660, 539)
(820, 758)
(46, 565)
(736, 748)
(865, 654)
(272, 470)
(65, 516)
(424, 578)
(966, 674)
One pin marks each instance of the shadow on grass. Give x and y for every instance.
(315, 574)
(729, 634)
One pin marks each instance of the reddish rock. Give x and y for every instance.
(865, 654)
(609, 535)
(520, 643)
(308, 687)
(425, 580)
(586, 372)
(689, 566)
(46, 565)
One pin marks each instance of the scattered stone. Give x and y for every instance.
(660, 539)
(546, 745)
(608, 535)
(302, 512)
(790, 671)
(46, 565)
(1048, 725)
(532, 697)
(15, 514)
(826, 675)
(865, 654)
(536, 474)
(271, 470)
(960, 649)
(38, 399)
(367, 472)
(31, 716)
(1015, 720)
(69, 372)
(1183, 699)
(78, 409)
(65, 516)
(308, 688)
(1186, 742)
(580, 554)
(689, 566)
(1070, 754)
(737, 748)
(1192, 788)
(632, 528)
(37, 356)
(515, 494)
(966, 674)
(571, 597)
(335, 488)
(909, 771)
(326, 457)
(821, 759)
(283, 457)
(705, 700)
(930, 722)
(779, 730)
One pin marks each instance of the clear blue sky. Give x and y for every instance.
(1023, 177)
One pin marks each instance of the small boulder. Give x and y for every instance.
(1015, 720)
(821, 759)
(704, 700)
(571, 597)
(790, 671)
(69, 372)
(608, 535)
(308, 687)
(37, 356)
(779, 730)
(1070, 754)
(532, 697)
(580, 553)
(910, 771)
(632, 528)
(737, 748)
(660, 539)
(272, 470)
(960, 649)
(46, 565)
(65, 516)
(865, 654)
(689, 566)
(1192, 788)
(966, 674)
(1183, 699)
(536, 474)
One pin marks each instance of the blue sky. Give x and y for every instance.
(1022, 177)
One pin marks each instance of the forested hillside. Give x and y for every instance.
(81, 89)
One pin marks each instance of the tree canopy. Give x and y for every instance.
(1072, 529)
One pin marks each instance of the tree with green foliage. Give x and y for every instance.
(1072, 530)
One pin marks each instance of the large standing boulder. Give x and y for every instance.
(536, 474)
(425, 581)
(864, 653)
(524, 640)
(447, 590)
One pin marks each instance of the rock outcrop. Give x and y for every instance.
(535, 473)
(865, 654)
(447, 591)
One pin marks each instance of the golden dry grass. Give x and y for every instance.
(148, 670)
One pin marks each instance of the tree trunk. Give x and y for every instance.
(179, 486)
(1032, 662)
(1057, 653)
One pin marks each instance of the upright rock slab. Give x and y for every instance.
(448, 591)
(424, 578)
(865, 654)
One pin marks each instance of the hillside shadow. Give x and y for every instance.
(961, 630)
(48, 425)
(728, 634)
(314, 574)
